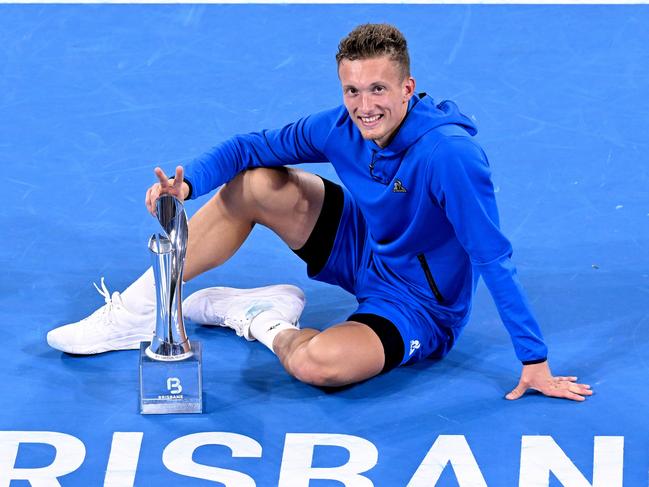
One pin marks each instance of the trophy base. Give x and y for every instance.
(171, 387)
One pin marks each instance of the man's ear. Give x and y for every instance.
(408, 89)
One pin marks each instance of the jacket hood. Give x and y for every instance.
(422, 117)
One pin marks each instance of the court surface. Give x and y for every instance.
(93, 97)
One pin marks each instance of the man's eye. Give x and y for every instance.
(379, 89)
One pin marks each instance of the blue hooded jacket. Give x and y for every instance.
(427, 198)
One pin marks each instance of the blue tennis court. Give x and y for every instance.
(93, 97)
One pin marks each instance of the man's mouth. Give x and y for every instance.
(369, 122)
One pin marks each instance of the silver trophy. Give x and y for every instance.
(168, 256)
(170, 366)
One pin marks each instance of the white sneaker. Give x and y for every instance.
(236, 308)
(111, 327)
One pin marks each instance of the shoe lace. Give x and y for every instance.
(105, 312)
(103, 291)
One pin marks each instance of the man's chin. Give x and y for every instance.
(370, 134)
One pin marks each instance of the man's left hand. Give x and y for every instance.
(539, 377)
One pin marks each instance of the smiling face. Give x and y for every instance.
(376, 95)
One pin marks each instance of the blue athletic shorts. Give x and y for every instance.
(337, 252)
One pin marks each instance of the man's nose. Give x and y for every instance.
(365, 102)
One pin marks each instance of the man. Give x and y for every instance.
(409, 235)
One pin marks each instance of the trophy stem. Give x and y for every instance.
(170, 342)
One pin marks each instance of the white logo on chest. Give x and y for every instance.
(398, 187)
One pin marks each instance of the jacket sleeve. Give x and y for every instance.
(298, 142)
(461, 182)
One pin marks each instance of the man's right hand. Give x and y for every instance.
(174, 186)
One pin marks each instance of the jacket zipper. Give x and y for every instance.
(372, 165)
(430, 279)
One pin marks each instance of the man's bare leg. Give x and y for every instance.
(343, 354)
(288, 201)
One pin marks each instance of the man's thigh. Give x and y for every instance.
(286, 200)
(344, 354)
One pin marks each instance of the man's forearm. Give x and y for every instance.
(513, 306)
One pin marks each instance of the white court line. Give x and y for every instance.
(394, 2)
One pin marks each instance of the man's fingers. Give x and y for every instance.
(162, 177)
(568, 390)
(573, 396)
(516, 393)
(152, 195)
(180, 173)
(583, 389)
(570, 379)
(575, 392)
(565, 383)
(146, 199)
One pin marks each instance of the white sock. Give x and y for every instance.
(139, 297)
(267, 325)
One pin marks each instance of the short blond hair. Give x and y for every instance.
(375, 40)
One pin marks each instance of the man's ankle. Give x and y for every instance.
(268, 325)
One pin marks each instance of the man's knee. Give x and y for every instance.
(318, 364)
(257, 185)
(286, 200)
